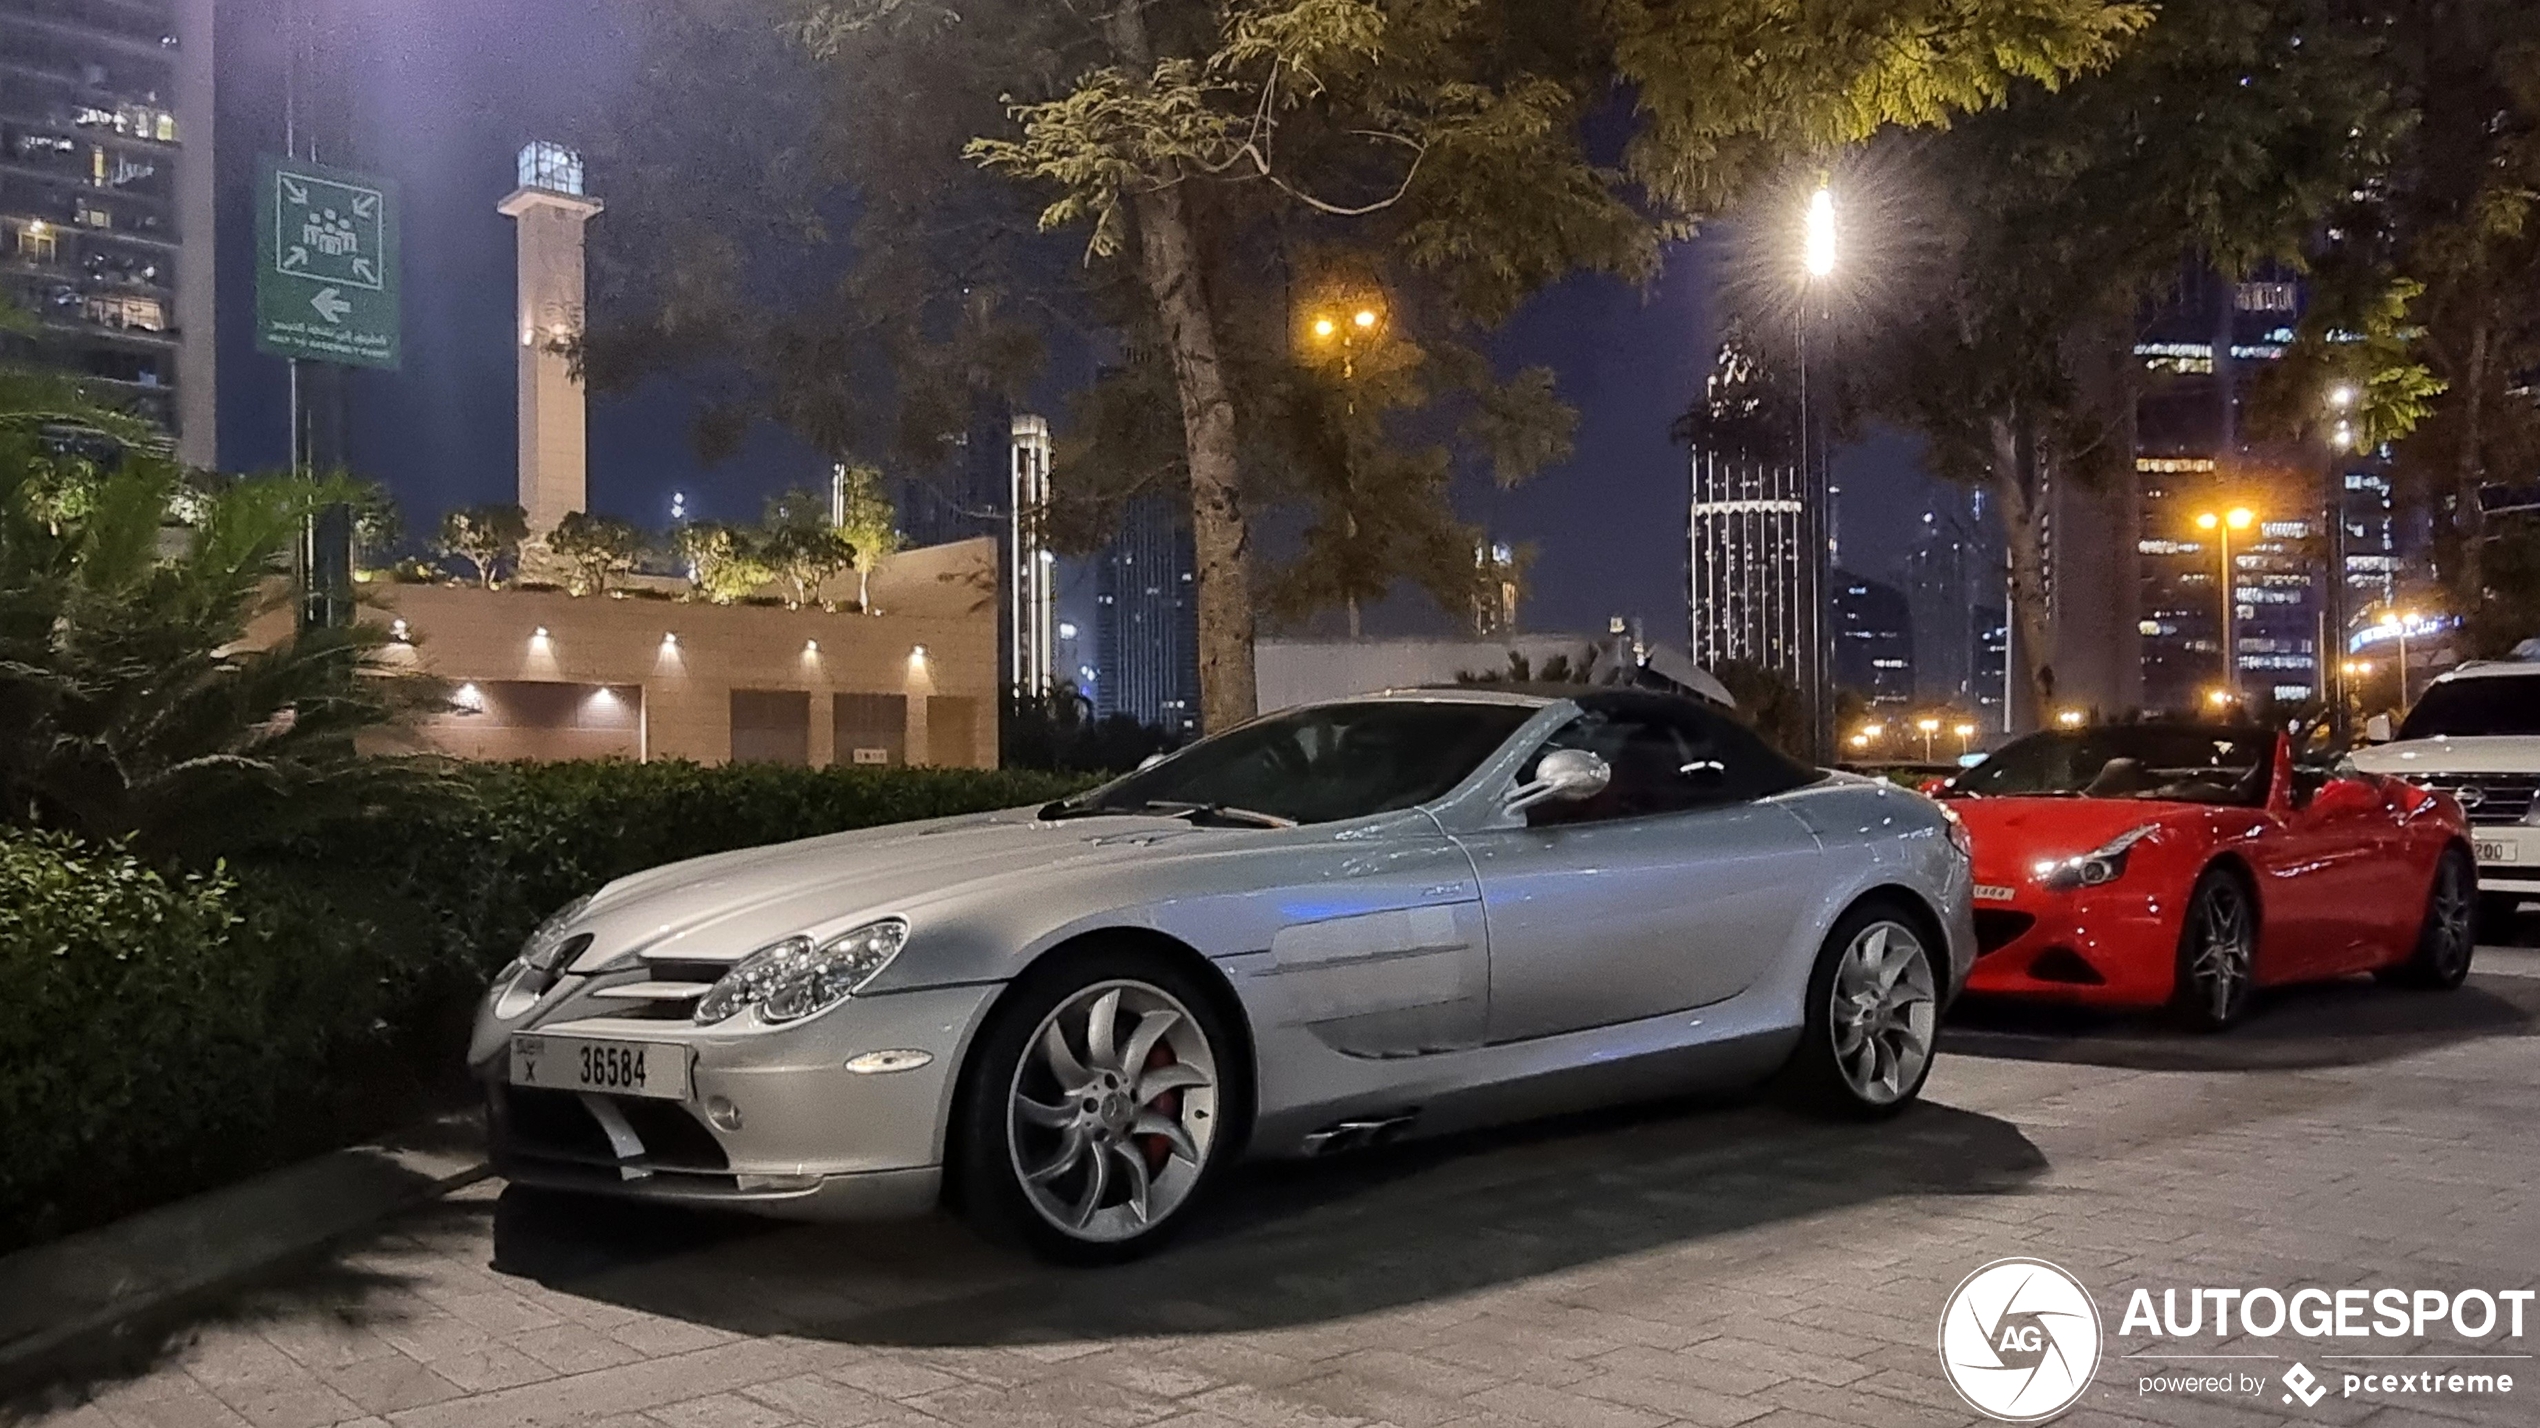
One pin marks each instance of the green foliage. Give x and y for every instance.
(2371, 353)
(725, 563)
(1058, 732)
(597, 549)
(800, 545)
(134, 703)
(378, 527)
(531, 837)
(168, 1032)
(164, 1032)
(869, 523)
(486, 537)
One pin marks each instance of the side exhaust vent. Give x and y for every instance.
(1357, 1134)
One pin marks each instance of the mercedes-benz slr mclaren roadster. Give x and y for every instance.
(1386, 916)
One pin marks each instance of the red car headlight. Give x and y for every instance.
(2104, 864)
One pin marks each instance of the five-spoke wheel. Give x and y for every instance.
(2217, 953)
(2448, 937)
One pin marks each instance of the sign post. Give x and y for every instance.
(326, 265)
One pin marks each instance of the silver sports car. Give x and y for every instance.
(1386, 916)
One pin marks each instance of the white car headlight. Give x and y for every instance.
(2104, 864)
(544, 952)
(796, 977)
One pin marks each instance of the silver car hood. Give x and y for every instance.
(726, 905)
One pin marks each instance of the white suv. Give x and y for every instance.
(2475, 734)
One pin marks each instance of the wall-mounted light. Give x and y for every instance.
(811, 647)
(538, 635)
(469, 699)
(670, 640)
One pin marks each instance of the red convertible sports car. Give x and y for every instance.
(2189, 865)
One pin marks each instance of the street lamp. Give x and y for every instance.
(1964, 733)
(2238, 518)
(2070, 718)
(2397, 622)
(1818, 252)
(1928, 727)
(1349, 327)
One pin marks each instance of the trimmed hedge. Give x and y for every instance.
(164, 1032)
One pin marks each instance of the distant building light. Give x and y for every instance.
(1066, 630)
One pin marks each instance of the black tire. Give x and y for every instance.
(1823, 1074)
(2496, 914)
(2448, 936)
(1118, 1174)
(2215, 983)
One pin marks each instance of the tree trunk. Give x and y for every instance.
(1221, 536)
(2470, 580)
(2014, 473)
(864, 589)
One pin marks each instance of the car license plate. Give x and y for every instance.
(623, 1068)
(2493, 851)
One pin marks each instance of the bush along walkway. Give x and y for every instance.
(172, 1030)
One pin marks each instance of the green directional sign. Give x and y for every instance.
(326, 265)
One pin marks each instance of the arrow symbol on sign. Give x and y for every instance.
(365, 205)
(330, 305)
(294, 190)
(363, 269)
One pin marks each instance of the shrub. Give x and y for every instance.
(165, 1032)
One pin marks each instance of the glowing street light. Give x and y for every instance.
(1819, 252)
(1928, 727)
(2069, 718)
(2397, 623)
(2238, 518)
(1964, 733)
(2342, 396)
(1348, 327)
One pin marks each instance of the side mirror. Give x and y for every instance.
(2377, 730)
(1563, 776)
(1934, 788)
(1150, 761)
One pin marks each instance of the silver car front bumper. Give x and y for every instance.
(797, 1134)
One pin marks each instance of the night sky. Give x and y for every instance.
(448, 92)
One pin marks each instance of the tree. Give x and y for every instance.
(869, 523)
(378, 528)
(800, 545)
(2222, 139)
(596, 548)
(724, 562)
(133, 703)
(486, 537)
(1217, 154)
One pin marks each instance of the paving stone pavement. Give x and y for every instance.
(1705, 1264)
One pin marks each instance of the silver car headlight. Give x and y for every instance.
(544, 952)
(796, 978)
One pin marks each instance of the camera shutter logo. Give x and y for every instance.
(2019, 1340)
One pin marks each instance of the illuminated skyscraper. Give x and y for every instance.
(106, 202)
(1147, 618)
(1747, 567)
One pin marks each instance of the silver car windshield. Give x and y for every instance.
(1315, 765)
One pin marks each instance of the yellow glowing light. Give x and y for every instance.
(2240, 518)
(1860, 741)
(2069, 718)
(2218, 697)
(1820, 252)
(1873, 730)
(1928, 726)
(2207, 521)
(1365, 319)
(1965, 731)
(1324, 327)
(2342, 396)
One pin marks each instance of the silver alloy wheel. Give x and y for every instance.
(2223, 949)
(1884, 1012)
(2455, 919)
(1113, 1111)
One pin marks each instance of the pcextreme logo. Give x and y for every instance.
(2019, 1340)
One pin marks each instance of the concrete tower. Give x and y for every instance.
(549, 209)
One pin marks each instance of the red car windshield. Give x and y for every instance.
(2169, 763)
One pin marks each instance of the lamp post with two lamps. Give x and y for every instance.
(1344, 329)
